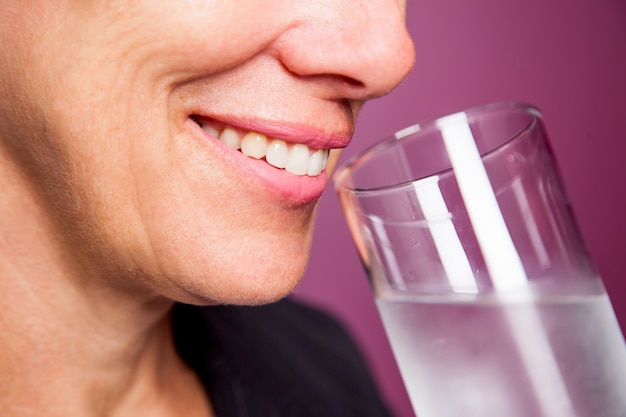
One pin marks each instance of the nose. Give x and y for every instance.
(361, 45)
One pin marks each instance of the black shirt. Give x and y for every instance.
(282, 359)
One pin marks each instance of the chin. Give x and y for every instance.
(236, 248)
(255, 285)
(241, 289)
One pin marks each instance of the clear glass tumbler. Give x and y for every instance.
(486, 291)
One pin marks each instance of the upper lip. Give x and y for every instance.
(289, 132)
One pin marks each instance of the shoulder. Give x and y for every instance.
(287, 354)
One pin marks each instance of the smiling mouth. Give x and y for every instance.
(295, 158)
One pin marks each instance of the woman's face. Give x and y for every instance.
(126, 116)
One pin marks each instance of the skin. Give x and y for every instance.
(114, 205)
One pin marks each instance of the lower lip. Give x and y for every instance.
(293, 188)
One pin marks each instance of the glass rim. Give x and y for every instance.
(343, 171)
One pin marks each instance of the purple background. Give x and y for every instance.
(568, 57)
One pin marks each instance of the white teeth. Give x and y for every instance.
(277, 153)
(316, 163)
(212, 131)
(296, 158)
(254, 145)
(298, 163)
(231, 138)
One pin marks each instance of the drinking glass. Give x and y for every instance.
(490, 301)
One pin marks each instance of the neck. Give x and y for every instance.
(71, 345)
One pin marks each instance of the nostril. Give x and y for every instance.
(350, 82)
(338, 79)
